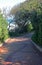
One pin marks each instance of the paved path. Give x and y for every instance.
(21, 52)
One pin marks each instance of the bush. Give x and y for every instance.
(29, 27)
(3, 29)
(37, 37)
(13, 34)
(40, 34)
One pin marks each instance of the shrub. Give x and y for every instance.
(37, 37)
(3, 28)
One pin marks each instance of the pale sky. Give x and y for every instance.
(9, 3)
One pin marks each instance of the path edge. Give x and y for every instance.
(36, 47)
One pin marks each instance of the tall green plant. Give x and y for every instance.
(3, 28)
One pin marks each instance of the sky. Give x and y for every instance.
(9, 3)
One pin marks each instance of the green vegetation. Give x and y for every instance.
(37, 37)
(27, 5)
(22, 19)
(3, 29)
(28, 16)
(34, 14)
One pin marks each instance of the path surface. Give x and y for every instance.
(20, 52)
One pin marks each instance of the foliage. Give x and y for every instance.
(21, 18)
(31, 10)
(27, 5)
(3, 28)
(29, 27)
(37, 37)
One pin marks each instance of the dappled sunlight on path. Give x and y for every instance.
(5, 63)
(10, 40)
(14, 63)
(19, 51)
(3, 50)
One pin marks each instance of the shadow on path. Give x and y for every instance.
(20, 52)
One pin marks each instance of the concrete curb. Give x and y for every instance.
(37, 48)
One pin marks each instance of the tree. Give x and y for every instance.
(36, 19)
(21, 17)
